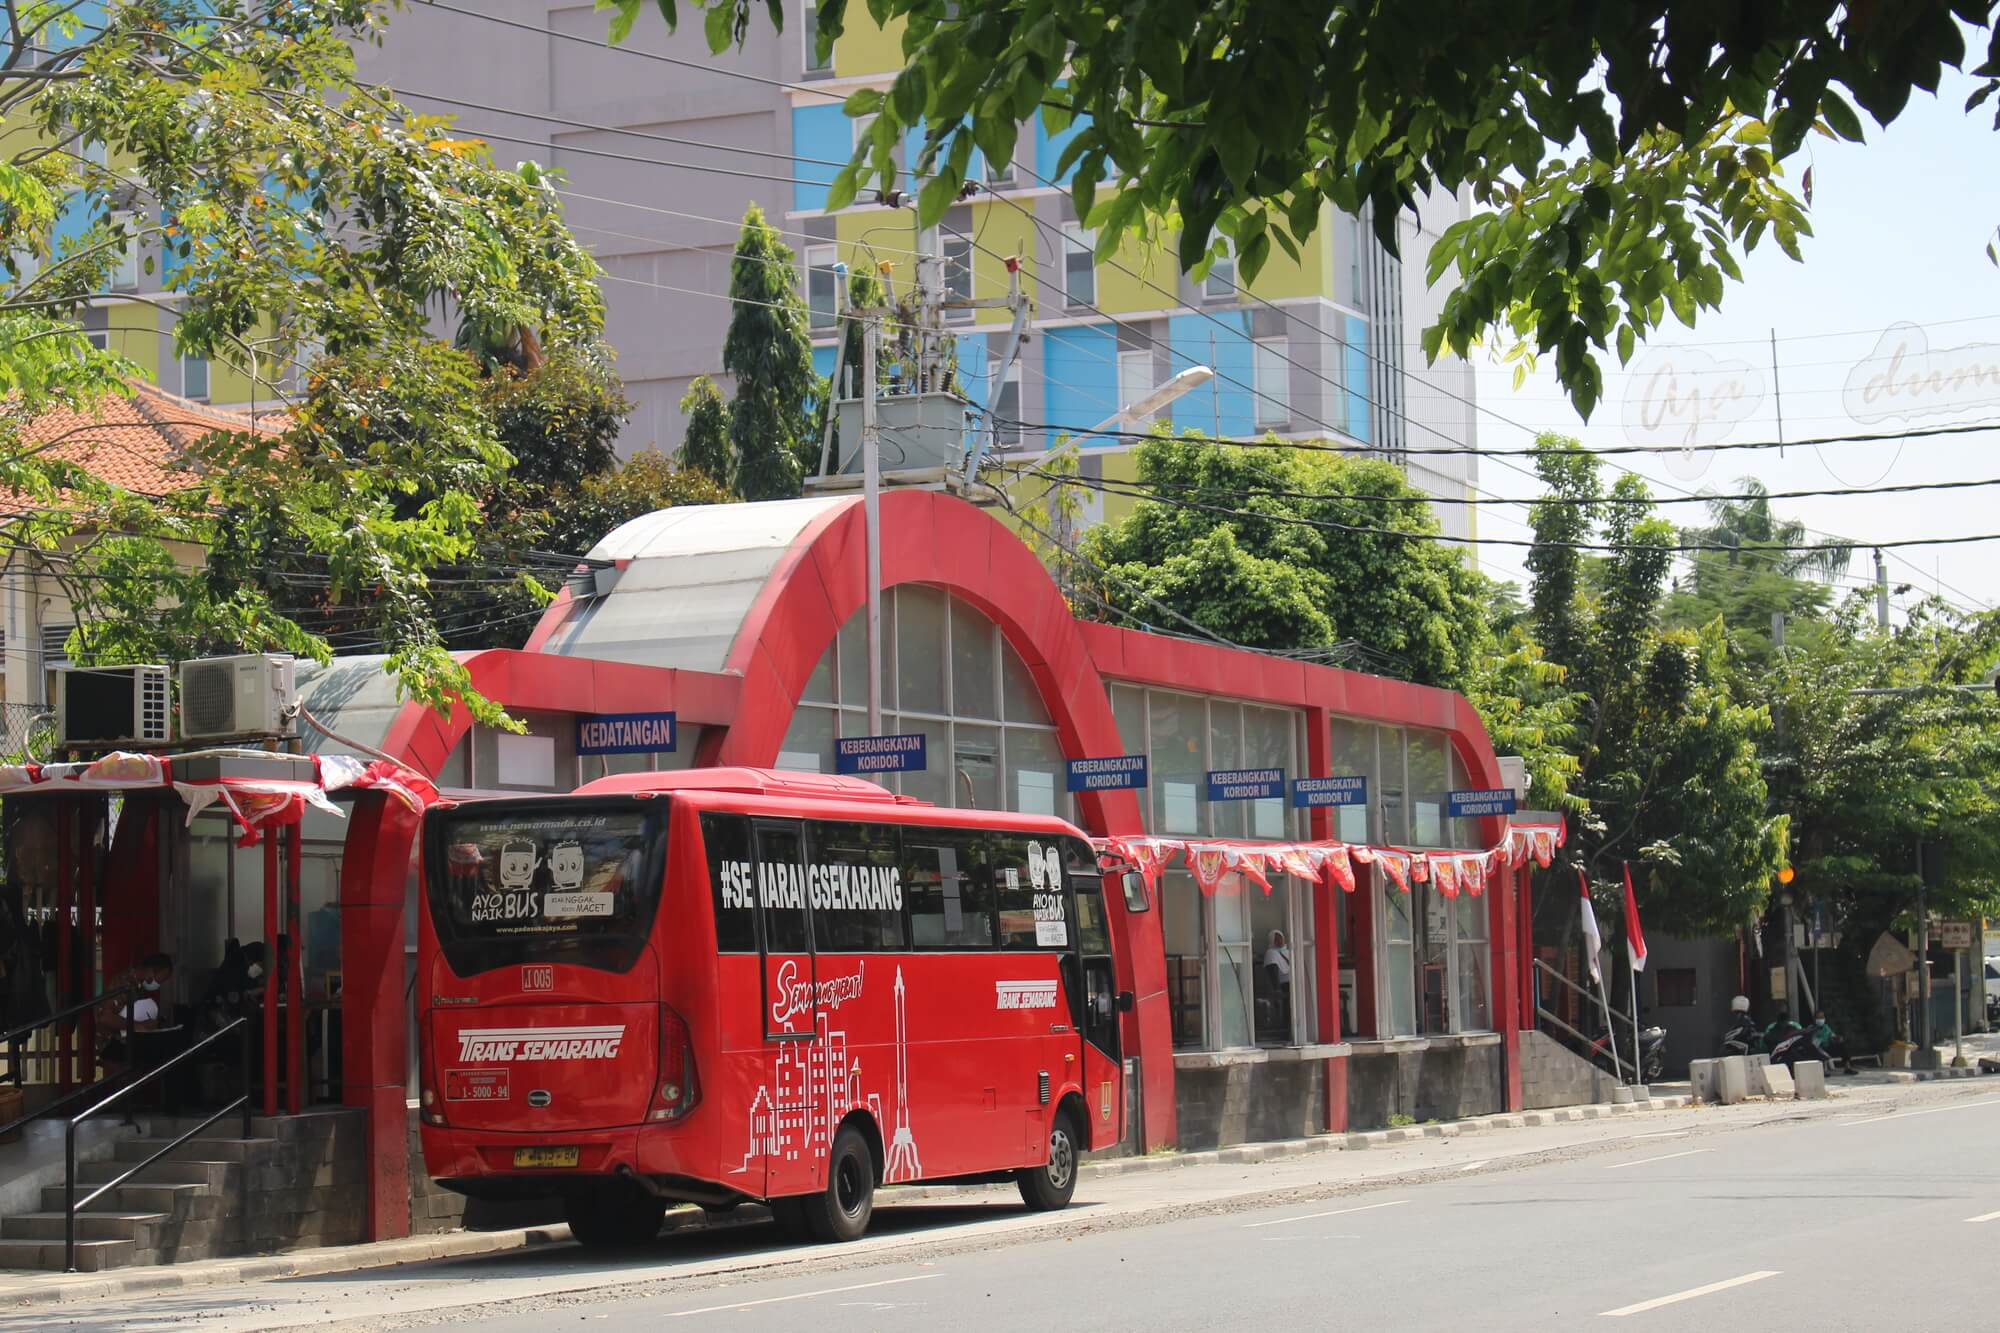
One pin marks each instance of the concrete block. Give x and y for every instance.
(1701, 1079)
(1809, 1077)
(1731, 1080)
(1778, 1082)
(1621, 1096)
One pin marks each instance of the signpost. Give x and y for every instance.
(880, 754)
(1957, 937)
(1245, 784)
(1495, 801)
(1344, 790)
(626, 733)
(1115, 773)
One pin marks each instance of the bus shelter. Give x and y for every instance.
(203, 857)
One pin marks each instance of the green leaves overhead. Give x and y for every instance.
(1555, 120)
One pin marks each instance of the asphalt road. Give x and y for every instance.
(1874, 1210)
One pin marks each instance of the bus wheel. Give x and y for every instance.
(1047, 1188)
(614, 1216)
(842, 1211)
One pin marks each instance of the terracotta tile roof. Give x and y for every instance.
(135, 442)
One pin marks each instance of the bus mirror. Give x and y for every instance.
(1134, 884)
(1124, 1002)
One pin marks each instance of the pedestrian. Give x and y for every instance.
(1278, 967)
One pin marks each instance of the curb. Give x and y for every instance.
(1986, 1066)
(51, 1289)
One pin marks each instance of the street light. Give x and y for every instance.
(1191, 378)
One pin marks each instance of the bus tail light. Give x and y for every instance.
(679, 1086)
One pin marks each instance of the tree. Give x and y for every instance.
(285, 206)
(1667, 759)
(649, 480)
(1621, 158)
(705, 446)
(769, 350)
(1308, 549)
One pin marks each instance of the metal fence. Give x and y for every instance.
(27, 731)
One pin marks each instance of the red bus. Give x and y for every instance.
(725, 985)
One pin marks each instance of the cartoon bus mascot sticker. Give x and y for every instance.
(517, 864)
(566, 866)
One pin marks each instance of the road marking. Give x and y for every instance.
(1308, 1217)
(1620, 1166)
(1474, 1166)
(801, 1296)
(1689, 1294)
(1935, 1110)
(1985, 1217)
(1663, 1134)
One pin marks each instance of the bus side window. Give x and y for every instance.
(732, 881)
(858, 898)
(1028, 881)
(949, 889)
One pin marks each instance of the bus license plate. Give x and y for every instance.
(545, 1156)
(475, 1085)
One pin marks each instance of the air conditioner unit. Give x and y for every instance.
(224, 697)
(104, 707)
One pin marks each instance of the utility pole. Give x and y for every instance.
(1881, 591)
(871, 512)
(1926, 1052)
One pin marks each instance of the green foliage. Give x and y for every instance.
(1297, 570)
(1529, 711)
(705, 446)
(1666, 754)
(649, 480)
(300, 209)
(769, 350)
(1621, 158)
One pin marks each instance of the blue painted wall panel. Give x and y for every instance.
(1080, 366)
(823, 132)
(1049, 148)
(1218, 408)
(1354, 369)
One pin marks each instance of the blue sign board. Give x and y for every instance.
(879, 754)
(1499, 801)
(1245, 784)
(1348, 790)
(625, 733)
(1112, 774)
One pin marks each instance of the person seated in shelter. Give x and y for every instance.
(141, 1013)
(1278, 968)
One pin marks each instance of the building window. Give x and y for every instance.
(194, 377)
(101, 340)
(809, 34)
(124, 276)
(1007, 405)
(1079, 265)
(1135, 381)
(1220, 284)
(997, 173)
(822, 284)
(1273, 382)
(956, 246)
(1674, 988)
(949, 675)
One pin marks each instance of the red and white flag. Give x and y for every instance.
(1593, 939)
(1635, 939)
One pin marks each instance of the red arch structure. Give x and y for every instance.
(937, 540)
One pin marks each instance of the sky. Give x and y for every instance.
(1901, 224)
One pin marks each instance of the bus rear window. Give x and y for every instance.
(545, 884)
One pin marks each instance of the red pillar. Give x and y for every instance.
(1366, 1020)
(1503, 930)
(131, 896)
(295, 1016)
(1140, 959)
(374, 1050)
(274, 973)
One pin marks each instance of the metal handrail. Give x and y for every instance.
(17, 1058)
(1587, 996)
(72, 1204)
(1590, 1044)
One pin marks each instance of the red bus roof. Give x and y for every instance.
(806, 794)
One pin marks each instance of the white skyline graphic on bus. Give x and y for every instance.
(813, 1088)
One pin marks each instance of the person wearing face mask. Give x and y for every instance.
(140, 1014)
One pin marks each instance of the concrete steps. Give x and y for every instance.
(92, 1256)
(175, 1209)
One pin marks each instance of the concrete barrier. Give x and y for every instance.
(1701, 1079)
(1778, 1082)
(1731, 1080)
(1809, 1078)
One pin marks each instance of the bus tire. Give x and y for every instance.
(841, 1211)
(1049, 1187)
(615, 1216)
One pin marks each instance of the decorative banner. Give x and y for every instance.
(1444, 869)
(879, 754)
(1249, 861)
(1420, 868)
(1497, 801)
(1363, 855)
(1245, 784)
(1295, 861)
(1544, 846)
(1116, 773)
(1208, 863)
(1338, 866)
(1310, 792)
(1398, 866)
(626, 733)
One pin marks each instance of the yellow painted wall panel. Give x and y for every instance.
(866, 49)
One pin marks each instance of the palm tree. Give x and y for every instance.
(1754, 535)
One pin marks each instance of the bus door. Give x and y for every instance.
(1101, 1003)
(790, 1009)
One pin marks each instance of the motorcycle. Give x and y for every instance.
(1743, 1036)
(1650, 1060)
